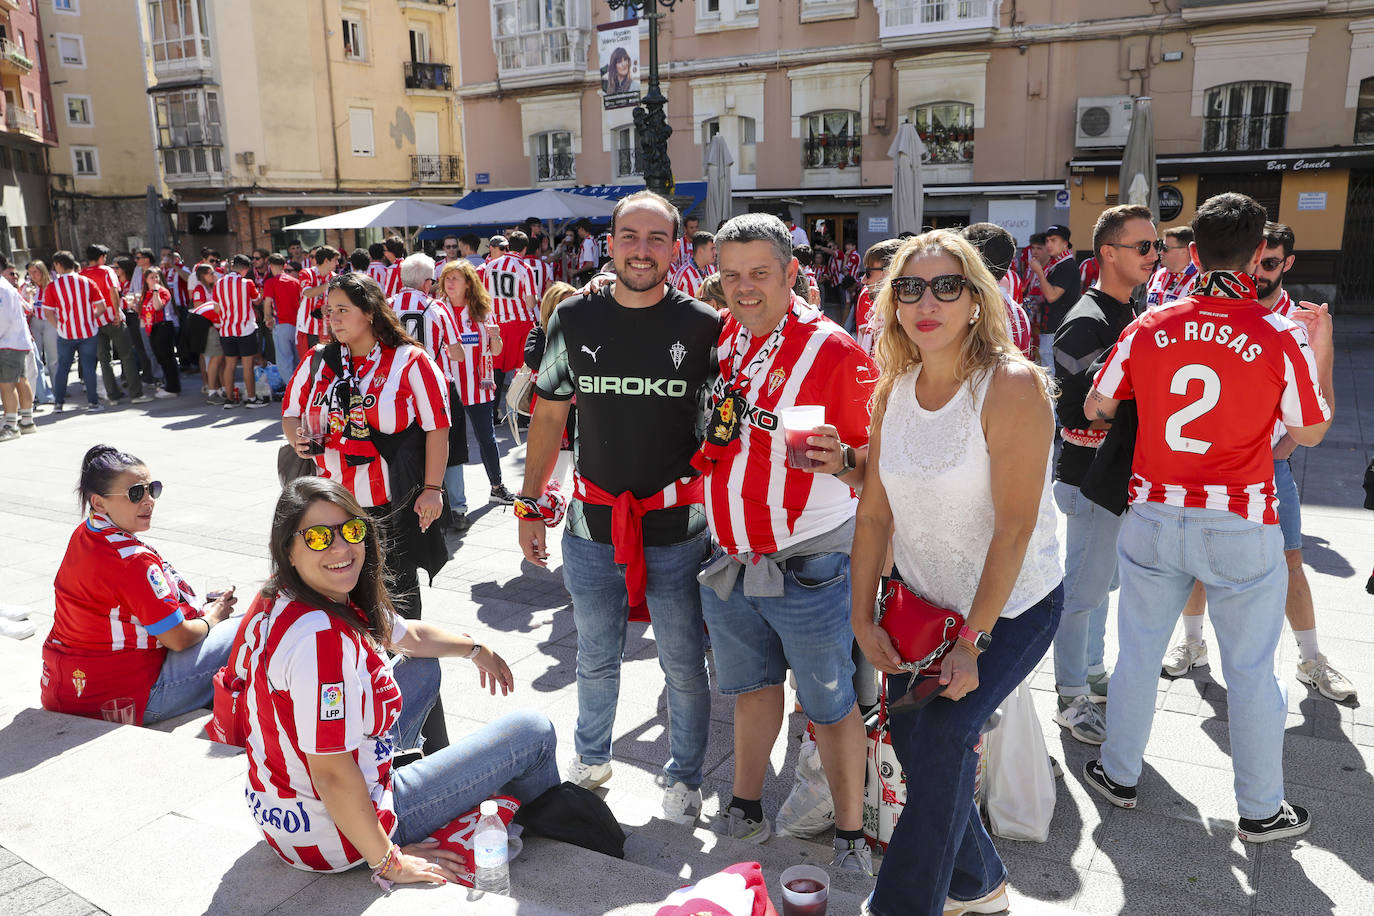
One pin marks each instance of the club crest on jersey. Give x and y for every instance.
(79, 681)
(331, 701)
(676, 353)
(776, 378)
(158, 582)
(378, 381)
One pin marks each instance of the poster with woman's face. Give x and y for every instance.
(618, 45)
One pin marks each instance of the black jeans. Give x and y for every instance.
(163, 338)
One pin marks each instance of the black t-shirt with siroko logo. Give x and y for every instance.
(639, 377)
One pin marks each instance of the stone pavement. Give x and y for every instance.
(87, 804)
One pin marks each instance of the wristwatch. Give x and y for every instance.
(850, 459)
(977, 638)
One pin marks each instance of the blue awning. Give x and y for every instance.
(696, 190)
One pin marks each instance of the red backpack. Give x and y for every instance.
(229, 722)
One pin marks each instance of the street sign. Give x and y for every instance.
(1061, 200)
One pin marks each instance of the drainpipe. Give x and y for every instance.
(329, 80)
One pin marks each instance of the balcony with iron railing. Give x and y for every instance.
(1244, 132)
(556, 167)
(917, 23)
(425, 76)
(23, 121)
(431, 169)
(627, 162)
(828, 151)
(13, 59)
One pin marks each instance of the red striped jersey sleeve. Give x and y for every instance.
(1114, 378)
(428, 390)
(320, 672)
(1301, 403)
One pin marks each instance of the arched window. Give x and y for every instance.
(830, 140)
(1252, 115)
(1364, 112)
(946, 129)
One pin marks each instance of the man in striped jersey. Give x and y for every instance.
(377, 266)
(81, 309)
(1209, 374)
(701, 265)
(514, 299)
(395, 252)
(314, 280)
(113, 340)
(238, 331)
(775, 593)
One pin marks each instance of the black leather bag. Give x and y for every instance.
(572, 814)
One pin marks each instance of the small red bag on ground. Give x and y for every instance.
(456, 835)
(229, 721)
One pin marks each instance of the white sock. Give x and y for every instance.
(12, 419)
(1192, 628)
(1307, 643)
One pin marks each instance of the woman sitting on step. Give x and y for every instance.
(337, 683)
(126, 624)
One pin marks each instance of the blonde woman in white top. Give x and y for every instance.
(962, 431)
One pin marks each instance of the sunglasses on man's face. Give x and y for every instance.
(319, 537)
(1143, 247)
(1272, 263)
(945, 287)
(137, 491)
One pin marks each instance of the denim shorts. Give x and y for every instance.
(755, 640)
(1290, 510)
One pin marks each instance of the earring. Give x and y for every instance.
(974, 319)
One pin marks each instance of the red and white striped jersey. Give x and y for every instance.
(811, 278)
(683, 253)
(378, 271)
(203, 303)
(754, 501)
(509, 281)
(407, 300)
(1164, 287)
(74, 298)
(1210, 374)
(852, 265)
(1013, 285)
(477, 360)
(306, 322)
(234, 296)
(689, 279)
(1019, 323)
(399, 386)
(314, 686)
(115, 593)
(393, 285)
(538, 278)
(1285, 305)
(106, 280)
(438, 331)
(1088, 272)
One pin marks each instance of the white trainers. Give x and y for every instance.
(163, 394)
(1191, 653)
(809, 809)
(1084, 719)
(588, 775)
(856, 856)
(734, 824)
(995, 901)
(681, 804)
(14, 612)
(1329, 682)
(16, 629)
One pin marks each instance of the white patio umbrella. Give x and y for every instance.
(908, 198)
(1139, 172)
(546, 204)
(403, 211)
(719, 207)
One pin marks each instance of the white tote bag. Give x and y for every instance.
(1019, 780)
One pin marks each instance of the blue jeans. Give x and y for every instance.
(84, 350)
(42, 390)
(479, 422)
(1162, 549)
(284, 340)
(515, 755)
(1290, 507)
(600, 612)
(940, 847)
(184, 683)
(1089, 571)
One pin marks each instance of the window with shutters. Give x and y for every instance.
(360, 130)
(71, 50)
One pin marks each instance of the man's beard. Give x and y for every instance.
(1265, 288)
(656, 282)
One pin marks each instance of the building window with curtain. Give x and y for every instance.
(1251, 115)
(553, 156)
(180, 33)
(627, 153)
(189, 135)
(1364, 112)
(830, 140)
(946, 130)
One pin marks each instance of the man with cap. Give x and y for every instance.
(1059, 284)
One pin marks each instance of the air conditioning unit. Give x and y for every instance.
(1102, 121)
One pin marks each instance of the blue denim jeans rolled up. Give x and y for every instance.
(1162, 550)
(600, 611)
(1089, 572)
(940, 847)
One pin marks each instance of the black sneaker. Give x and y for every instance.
(1291, 820)
(459, 523)
(1117, 794)
(502, 496)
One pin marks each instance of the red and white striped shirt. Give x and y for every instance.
(234, 295)
(852, 265)
(1019, 324)
(509, 281)
(754, 501)
(1210, 374)
(314, 686)
(477, 361)
(203, 303)
(378, 271)
(408, 299)
(437, 324)
(683, 254)
(539, 280)
(105, 280)
(1013, 285)
(1285, 305)
(74, 298)
(306, 322)
(400, 387)
(1164, 287)
(689, 279)
(393, 285)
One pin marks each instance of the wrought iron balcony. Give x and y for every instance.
(556, 167)
(436, 169)
(827, 151)
(1245, 132)
(627, 162)
(13, 59)
(420, 75)
(23, 121)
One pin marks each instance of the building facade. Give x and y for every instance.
(1022, 105)
(27, 133)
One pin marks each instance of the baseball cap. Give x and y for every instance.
(1061, 231)
(498, 241)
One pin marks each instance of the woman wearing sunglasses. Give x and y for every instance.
(328, 706)
(958, 478)
(126, 623)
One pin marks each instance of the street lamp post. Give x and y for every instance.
(651, 123)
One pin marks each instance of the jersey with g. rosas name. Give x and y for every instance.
(1210, 373)
(639, 375)
(315, 686)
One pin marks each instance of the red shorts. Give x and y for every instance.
(512, 355)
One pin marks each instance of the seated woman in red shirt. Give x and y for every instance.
(338, 683)
(126, 624)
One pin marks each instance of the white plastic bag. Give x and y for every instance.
(1019, 782)
(809, 809)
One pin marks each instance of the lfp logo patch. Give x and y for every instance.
(331, 701)
(158, 582)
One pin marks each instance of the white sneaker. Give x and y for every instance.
(1191, 653)
(1329, 682)
(587, 775)
(163, 393)
(16, 629)
(681, 804)
(14, 612)
(995, 901)
(1084, 719)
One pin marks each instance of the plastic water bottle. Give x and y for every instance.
(489, 845)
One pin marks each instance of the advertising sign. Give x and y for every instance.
(617, 43)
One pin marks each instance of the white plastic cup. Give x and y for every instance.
(797, 425)
(803, 903)
(119, 711)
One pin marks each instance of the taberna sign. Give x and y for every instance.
(1299, 165)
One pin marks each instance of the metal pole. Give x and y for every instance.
(651, 122)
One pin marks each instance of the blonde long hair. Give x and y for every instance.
(988, 343)
(552, 296)
(478, 299)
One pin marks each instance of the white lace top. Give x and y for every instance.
(935, 468)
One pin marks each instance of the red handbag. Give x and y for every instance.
(921, 632)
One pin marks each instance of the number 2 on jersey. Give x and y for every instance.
(1211, 394)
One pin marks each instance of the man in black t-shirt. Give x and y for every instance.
(1059, 284)
(637, 356)
(1124, 240)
